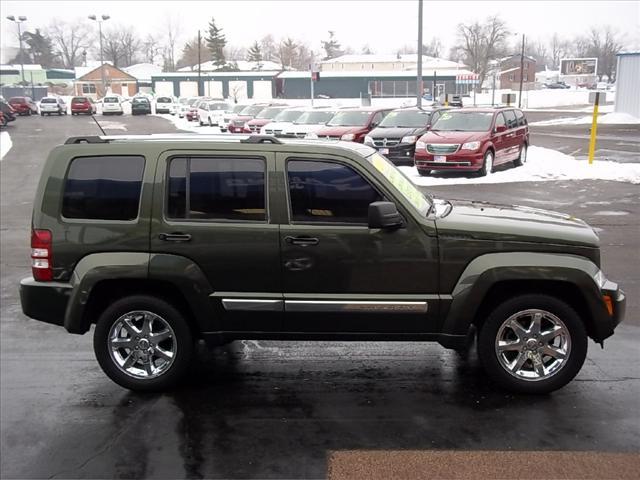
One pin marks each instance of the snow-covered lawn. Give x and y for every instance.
(5, 144)
(609, 118)
(543, 164)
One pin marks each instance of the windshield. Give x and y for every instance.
(48, 100)
(163, 100)
(252, 110)
(350, 119)
(218, 106)
(269, 113)
(191, 101)
(401, 183)
(464, 122)
(314, 118)
(287, 116)
(406, 118)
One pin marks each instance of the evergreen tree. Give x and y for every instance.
(331, 47)
(255, 53)
(216, 42)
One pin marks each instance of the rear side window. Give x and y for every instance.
(103, 188)
(522, 121)
(510, 117)
(213, 188)
(328, 192)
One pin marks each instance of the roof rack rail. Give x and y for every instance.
(261, 139)
(89, 139)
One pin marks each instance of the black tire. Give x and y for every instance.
(522, 159)
(486, 170)
(183, 337)
(491, 327)
(42, 114)
(424, 173)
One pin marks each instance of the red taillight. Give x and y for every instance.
(41, 261)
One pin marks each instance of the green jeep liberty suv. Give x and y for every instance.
(164, 240)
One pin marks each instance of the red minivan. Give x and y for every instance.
(82, 105)
(352, 124)
(473, 140)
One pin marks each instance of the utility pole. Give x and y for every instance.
(104, 19)
(521, 73)
(200, 89)
(20, 20)
(419, 78)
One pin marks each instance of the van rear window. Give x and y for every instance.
(103, 188)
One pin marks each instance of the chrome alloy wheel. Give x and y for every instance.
(533, 345)
(142, 344)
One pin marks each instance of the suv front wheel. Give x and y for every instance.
(532, 344)
(143, 343)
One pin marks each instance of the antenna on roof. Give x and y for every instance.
(99, 126)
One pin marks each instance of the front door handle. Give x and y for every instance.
(174, 237)
(302, 241)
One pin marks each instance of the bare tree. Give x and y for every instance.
(269, 48)
(559, 48)
(131, 46)
(69, 40)
(234, 52)
(150, 49)
(189, 57)
(111, 47)
(539, 51)
(478, 43)
(603, 44)
(433, 48)
(171, 33)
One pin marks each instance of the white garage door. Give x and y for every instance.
(213, 89)
(238, 90)
(188, 89)
(164, 89)
(262, 89)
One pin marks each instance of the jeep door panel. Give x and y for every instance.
(344, 276)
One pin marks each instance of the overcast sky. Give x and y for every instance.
(383, 25)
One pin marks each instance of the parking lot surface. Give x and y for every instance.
(257, 409)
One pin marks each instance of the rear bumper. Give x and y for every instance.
(45, 301)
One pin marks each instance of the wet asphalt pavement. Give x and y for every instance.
(275, 409)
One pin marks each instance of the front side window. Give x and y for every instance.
(103, 188)
(322, 191)
(213, 188)
(500, 120)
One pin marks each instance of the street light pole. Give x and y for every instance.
(521, 73)
(20, 20)
(104, 19)
(419, 77)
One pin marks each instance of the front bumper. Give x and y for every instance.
(45, 301)
(605, 323)
(471, 161)
(402, 153)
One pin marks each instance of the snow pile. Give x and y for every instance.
(5, 144)
(184, 124)
(543, 164)
(610, 118)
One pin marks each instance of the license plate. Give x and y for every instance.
(439, 158)
(384, 151)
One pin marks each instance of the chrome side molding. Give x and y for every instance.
(252, 305)
(346, 306)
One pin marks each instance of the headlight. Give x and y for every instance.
(409, 139)
(470, 146)
(348, 137)
(420, 145)
(368, 140)
(311, 135)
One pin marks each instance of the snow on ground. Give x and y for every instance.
(5, 144)
(543, 164)
(184, 124)
(616, 118)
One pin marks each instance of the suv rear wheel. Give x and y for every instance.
(522, 158)
(532, 344)
(143, 343)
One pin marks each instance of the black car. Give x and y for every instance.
(7, 111)
(140, 106)
(398, 132)
(557, 85)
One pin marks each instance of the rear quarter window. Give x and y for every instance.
(103, 188)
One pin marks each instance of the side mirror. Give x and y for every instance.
(384, 215)
(501, 128)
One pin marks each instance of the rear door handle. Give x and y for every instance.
(174, 237)
(302, 241)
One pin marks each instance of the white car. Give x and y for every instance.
(283, 121)
(112, 106)
(309, 122)
(211, 112)
(49, 105)
(164, 104)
